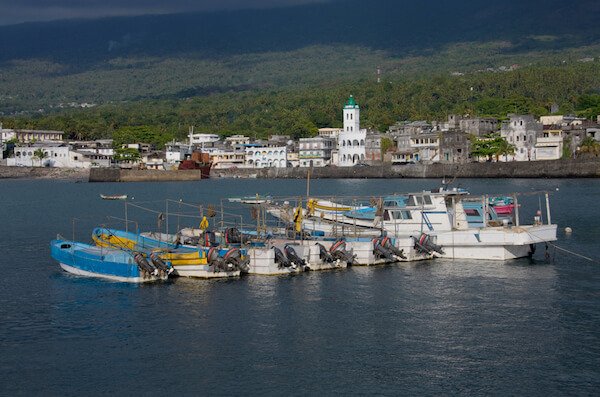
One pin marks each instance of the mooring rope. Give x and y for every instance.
(587, 258)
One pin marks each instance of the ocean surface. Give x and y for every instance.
(523, 327)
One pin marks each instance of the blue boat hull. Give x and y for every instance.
(91, 261)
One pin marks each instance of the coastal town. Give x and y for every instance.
(456, 140)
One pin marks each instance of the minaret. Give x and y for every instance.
(351, 116)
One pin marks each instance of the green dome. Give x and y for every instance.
(351, 103)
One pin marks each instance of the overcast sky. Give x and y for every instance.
(15, 11)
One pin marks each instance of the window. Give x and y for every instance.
(427, 200)
(472, 212)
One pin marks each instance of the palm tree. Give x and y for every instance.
(590, 145)
(40, 155)
(504, 148)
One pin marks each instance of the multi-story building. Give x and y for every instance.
(522, 132)
(315, 152)
(373, 147)
(266, 156)
(478, 126)
(332, 133)
(455, 147)
(293, 159)
(56, 154)
(427, 147)
(29, 136)
(237, 140)
(225, 159)
(550, 145)
(101, 146)
(352, 140)
(175, 152)
(202, 139)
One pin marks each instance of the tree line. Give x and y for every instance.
(300, 111)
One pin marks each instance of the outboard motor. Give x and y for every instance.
(209, 239)
(233, 236)
(193, 240)
(339, 252)
(324, 254)
(386, 242)
(382, 252)
(218, 263)
(424, 245)
(144, 265)
(290, 252)
(281, 259)
(160, 264)
(234, 257)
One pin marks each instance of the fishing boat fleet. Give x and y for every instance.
(266, 235)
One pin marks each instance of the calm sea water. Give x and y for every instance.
(440, 327)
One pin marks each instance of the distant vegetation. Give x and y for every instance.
(288, 70)
(300, 111)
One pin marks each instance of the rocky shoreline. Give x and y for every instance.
(579, 168)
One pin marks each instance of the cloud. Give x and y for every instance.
(12, 11)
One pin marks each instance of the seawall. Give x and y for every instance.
(580, 168)
(79, 174)
(124, 175)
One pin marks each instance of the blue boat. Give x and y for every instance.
(113, 264)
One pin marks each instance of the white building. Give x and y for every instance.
(522, 132)
(330, 132)
(27, 136)
(101, 146)
(315, 152)
(56, 155)
(351, 141)
(426, 147)
(266, 156)
(561, 120)
(226, 159)
(202, 139)
(550, 145)
(175, 152)
(237, 140)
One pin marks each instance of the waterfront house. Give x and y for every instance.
(56, 154)
(550, 145)
(227, 158)
(259, 156)
(455, 147)
(521, 131)
(315, 152)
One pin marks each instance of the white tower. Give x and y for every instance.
(351, 116)
(351, 141)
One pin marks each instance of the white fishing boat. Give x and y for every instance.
(463, 226)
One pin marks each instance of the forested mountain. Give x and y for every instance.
(258, 71)
(394, 26)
